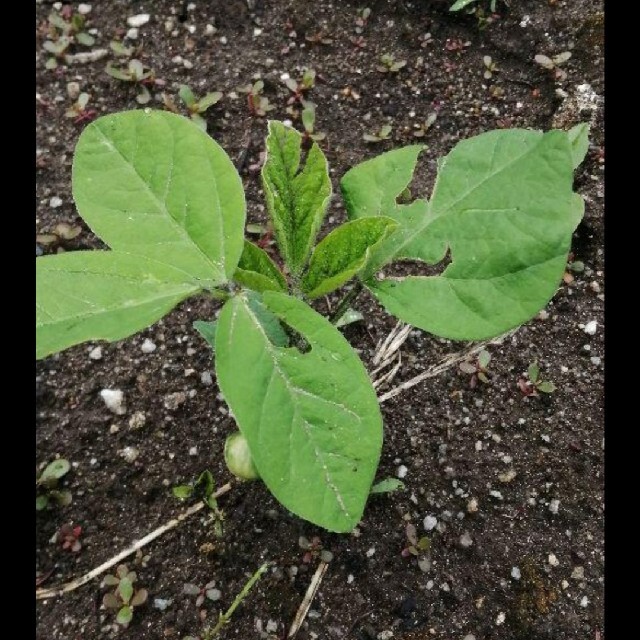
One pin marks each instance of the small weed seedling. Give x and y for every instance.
(69, 537)
(79, 112)
(204, 486)
(299, 88)
(62, 232)
(309, 122)
(384, 133)
(477, 368)
(309, 419)
(362, 19)
(122, 51)
(320, 37)
(207, 592)
(125, 598)
(47, 490)
(258, 104)
(390, 64)
(553, 64)
(136, 74)
(534, 384)
(198, 106)
(489, 67)
(420, 130)
(417, 547)
(63, 33)
(313, 549)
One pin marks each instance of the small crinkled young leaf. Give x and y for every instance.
(296, 199)
(102, 295)
(41, 502)
(311, 419)
(154, 184)
(348, 317)
(546, 387)
(389, 485)
(125, 615)
(209, 100)
(342, 253)
(183, 491)
(55, 470)
(186, 95)
(503, 207)
(125, 589)
(579, 139)
(207, 330)
(257, 271)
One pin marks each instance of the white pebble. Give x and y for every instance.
(129, 454)
(501, 618)
(496, 494)
(55, 202)
(83, 8)
(472, 505)
(161, 603)
(132, 34)
(466, 540)
(591, 327)
(209, 30)
(584, 602)
(206, 378)
(370, 552)
(402, 471)
(385, 635)
(578, 573)
(137, 420)
(95, 353)
(469, 636)
(223, 40)
(148, 346)
(554, 505)
(257, 32)
(216, 594)
(350, 578)
(515, 573)
(596, 360)
(430, 523)
(114, 399)
(553, 561)
(193, 451)
(138, 20)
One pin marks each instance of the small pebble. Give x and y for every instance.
(206, 378)
(578, 573)
(193, 451)
(132, 34)
(385, 635)
(370, 552)
(496, 494)
(216, 594)
(114, 399)
(466, 540)
(55, 202)
(501, 618)
(553, 561)
(209, 30)
(148, 346)
(137, 420)
(84, 9)
(129, 454)
(554, 505)
(584, 602)
(272, 626)
(590, 328)
(472, 505)
(138, 20)
(223, 40)
(430, 523)
(95, 353)
(161, 603)
(402, 471)
(515, 573)
(173, 400)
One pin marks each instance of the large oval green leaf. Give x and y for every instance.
(101, 295)
(503, 206)
(154, 184)
(311, 419)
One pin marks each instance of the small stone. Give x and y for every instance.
(385, 635)
(591, 327)
(430, 523)
(55, 202)
(148, 346)
(596, 360)
(95, 353)
(187, 64)
(553, 561)
(257, 32)
(402, 471)
(472, 505)
(584, 602)
(501, 618)
(466, 540)
(223, 40)
(507, 476)
(73, 90)
(209, 30)
(578, 573)
(350, 578)
(272, 626)
(132, 34)
(496, 494)
(214, 594)
(515, 573)
(206, 378)
(114, 399)
(424, 564)
(84, 9)
(114, 428)
(554, 505)
(173, 400)
(137, 420)
(370, 552)
(129, 454)
(161, 603)
(193, 451)
(564, 584)
(138, 20)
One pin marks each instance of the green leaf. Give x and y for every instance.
(533, 372)
(349, 317)
(125, 589)
(125, 615)
(152, 183)
(257, 271)
(209, 100)
(63, 498)
(86, 39)
(102, 295)
(207, 330)
(503, 207)
(118, 74)
(183, 491)
(269, 321)
(546, 387)
(484, 358)
(579, 139)
(296, 199)
(238, 457)
(41, 502)
(389, 485)
(342, 253)
(110, 581)
(205, 483)
(312, 420)
(186, 95)
(55, 470)
(460, 4)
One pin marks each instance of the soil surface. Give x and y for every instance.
(512, 485)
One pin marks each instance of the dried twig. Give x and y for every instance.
(53, 592)
(307, 600)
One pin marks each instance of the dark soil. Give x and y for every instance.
(456, 442)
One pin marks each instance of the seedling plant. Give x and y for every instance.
(533, 385)
(203, 488)
(125, 597)
(63, 32)
(384, 133)
(477, 369)
(503, 209)
(198, 106)
(47, 489)
(257, 103)
(135, 73)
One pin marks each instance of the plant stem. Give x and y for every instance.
(344, 304)
(226, 616)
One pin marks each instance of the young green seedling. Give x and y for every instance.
(136, 74)
(258, 104)
(384, 133)
(421, 129)
(503, 211)
(309, 121)
(198, 106)
(489, 67)
(390, 64)
(47, 490)
(208, 591)
(418, 548)
(63, 33)
(534, 384)
(553, 64)
(78, 110)
(203, 488)
(362, 19)
(125, 598)
(477, 369)
(299, 88)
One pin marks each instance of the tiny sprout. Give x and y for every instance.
(300, 87)
(309, 121)
(206, 592)
(135, 73)
(477, 368)
(258, 104)
(63, 33)
(388, 485)
(553, 63)
(198, 106)
(61, 232)
(78, 110)
(389, 64)
(125, 597)
(321, 37)
(47, 485)
(313, 549)
(421, 129)
(535, 384)
(418, 548)
(69, 537)
(238, 457)
(361, 20)
(204, 488)
(121, 50)
(490, 67)
(384, 133)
